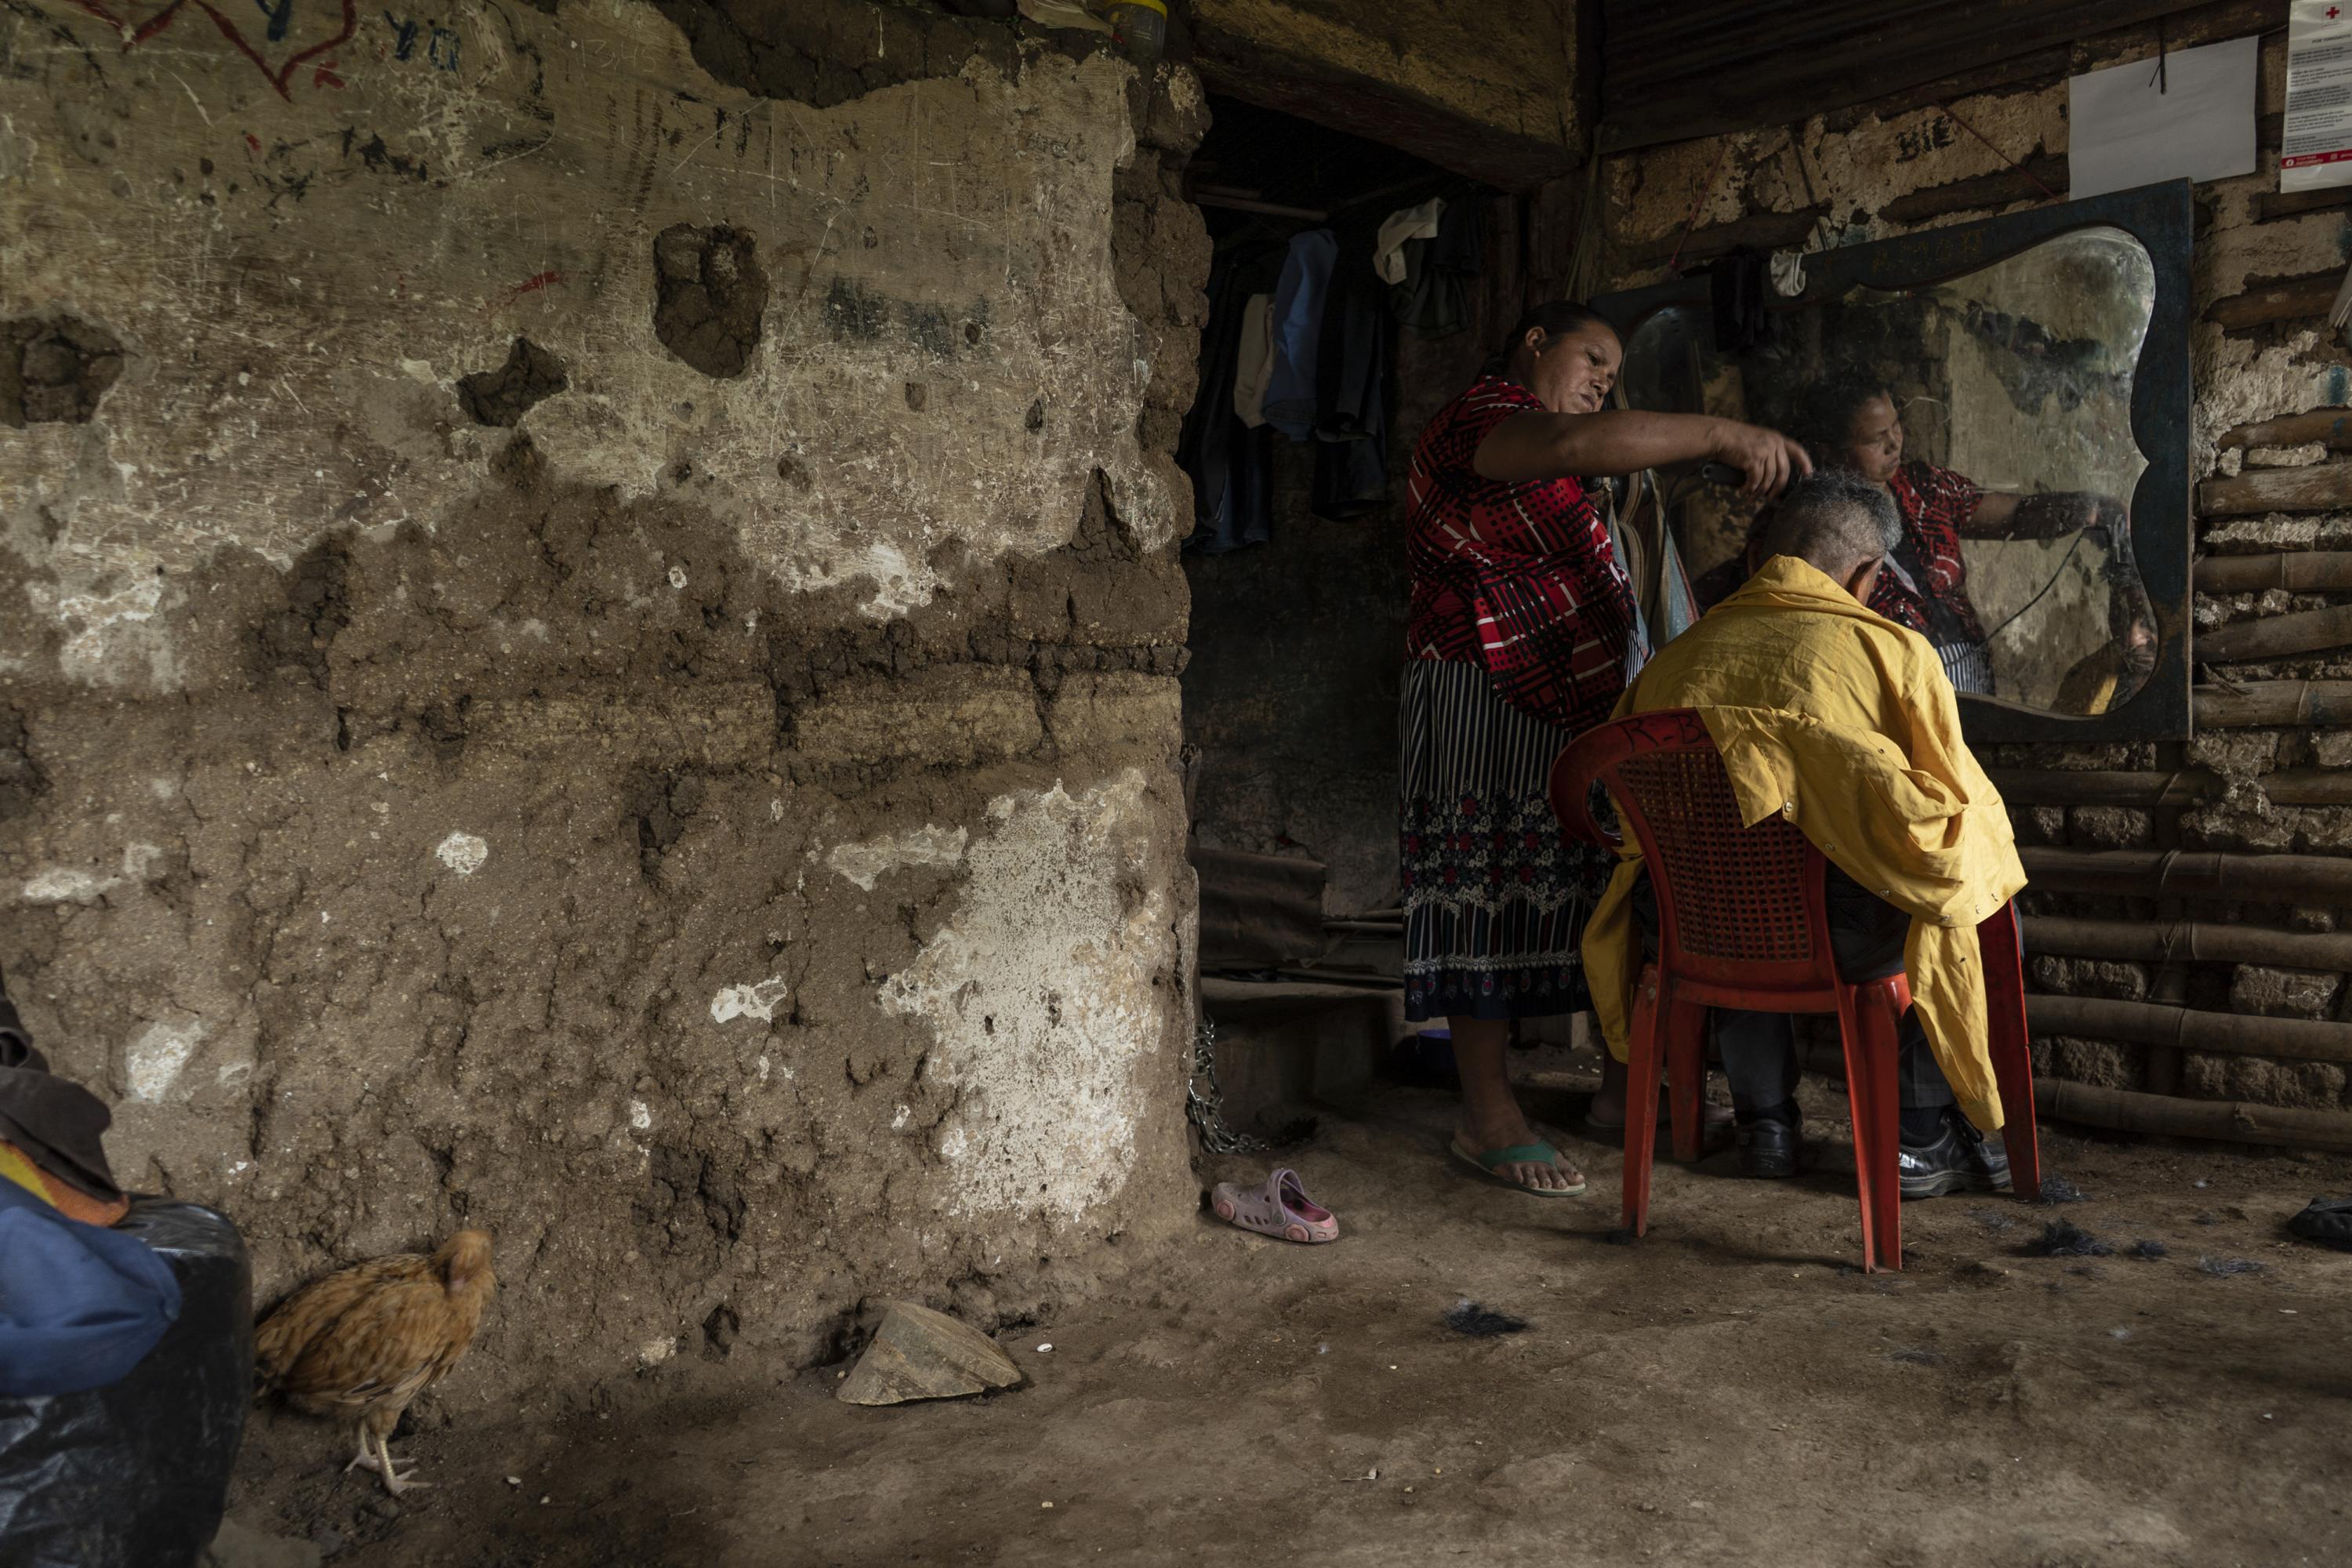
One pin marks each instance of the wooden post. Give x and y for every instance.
(2260, 704)
(2274, 635)
(2204, 873)
(2321, 488)
(2194, 941)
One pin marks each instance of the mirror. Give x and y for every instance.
(2020, 387)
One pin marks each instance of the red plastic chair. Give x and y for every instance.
(1741, 924)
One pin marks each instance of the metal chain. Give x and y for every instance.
(1207, 1111)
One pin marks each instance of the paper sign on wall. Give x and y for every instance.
(2191, 113)
(2318, 149)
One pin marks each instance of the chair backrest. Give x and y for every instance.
(1737, 906)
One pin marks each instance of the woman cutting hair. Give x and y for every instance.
(1523, 632)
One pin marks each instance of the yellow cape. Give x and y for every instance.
(1843, 724)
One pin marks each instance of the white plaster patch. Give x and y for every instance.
(899, 585)
(677, 578)
(70, 885)
(151, 1064)
(653, 1352)
(759, 1000)
(864, 863)
(899, 1118)
(107, 640)
(462, 853)
(1039, 990)
(641, 1115)
(60, 885)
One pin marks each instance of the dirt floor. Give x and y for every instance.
(1728, 1390)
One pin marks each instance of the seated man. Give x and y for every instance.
(1842, 722)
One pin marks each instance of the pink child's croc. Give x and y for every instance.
(1281, 1207)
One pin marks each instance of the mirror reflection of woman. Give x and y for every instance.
(1523, 632)
(1850, 421)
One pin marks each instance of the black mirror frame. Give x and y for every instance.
(2162, 218)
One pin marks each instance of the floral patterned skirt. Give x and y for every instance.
(1495, 894)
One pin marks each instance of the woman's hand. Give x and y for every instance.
(1767, 459)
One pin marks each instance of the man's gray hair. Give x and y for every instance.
(1836, 521)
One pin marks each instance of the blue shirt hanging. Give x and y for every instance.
(1297, 328)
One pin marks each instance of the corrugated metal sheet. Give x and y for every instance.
(1676, 69)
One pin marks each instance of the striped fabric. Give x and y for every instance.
(1519, 578)
(1968, 667)
(1495, 894)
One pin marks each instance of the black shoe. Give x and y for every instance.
(1961, 1159)
(1767, 1148)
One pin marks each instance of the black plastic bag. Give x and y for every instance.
(135, 1475)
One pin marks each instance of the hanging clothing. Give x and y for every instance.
(1351, 373)
(1404, 223)
(1736, 290)
(1521, 578)
(1256, 360)
(1434, 299)
(1231, 466)
(1297, 314)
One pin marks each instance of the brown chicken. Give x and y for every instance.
(364, 1341)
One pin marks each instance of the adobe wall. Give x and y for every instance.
(591, 646)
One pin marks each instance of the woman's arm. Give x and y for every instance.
(1534, 446)
(2051, 515)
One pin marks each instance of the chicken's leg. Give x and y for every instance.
(365, 1459)
(393, 1481)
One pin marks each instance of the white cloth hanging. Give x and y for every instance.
(1254, 366)
(1405, 223)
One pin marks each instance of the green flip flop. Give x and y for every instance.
(1515, 1154)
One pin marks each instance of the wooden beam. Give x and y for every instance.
(2191, 942)
(2280, 300)
(2297, 571)
(2309, 786)
(2199, 874)
(1764, 231)
(2059, 787)
(2272, 205)
(2275, 636)
(2275, 299)
(2323, 486)
(2332, 426)
(2264, 704)
(2033, 182)
(2230, 1120)
(2188, 1029)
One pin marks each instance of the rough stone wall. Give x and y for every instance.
(2265, 267)
(591, 646)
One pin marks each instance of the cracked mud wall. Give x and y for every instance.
(497, 727)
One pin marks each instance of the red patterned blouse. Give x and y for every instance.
(1518, 577)
(1935, 504)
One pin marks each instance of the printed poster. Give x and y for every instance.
(2318, 149)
